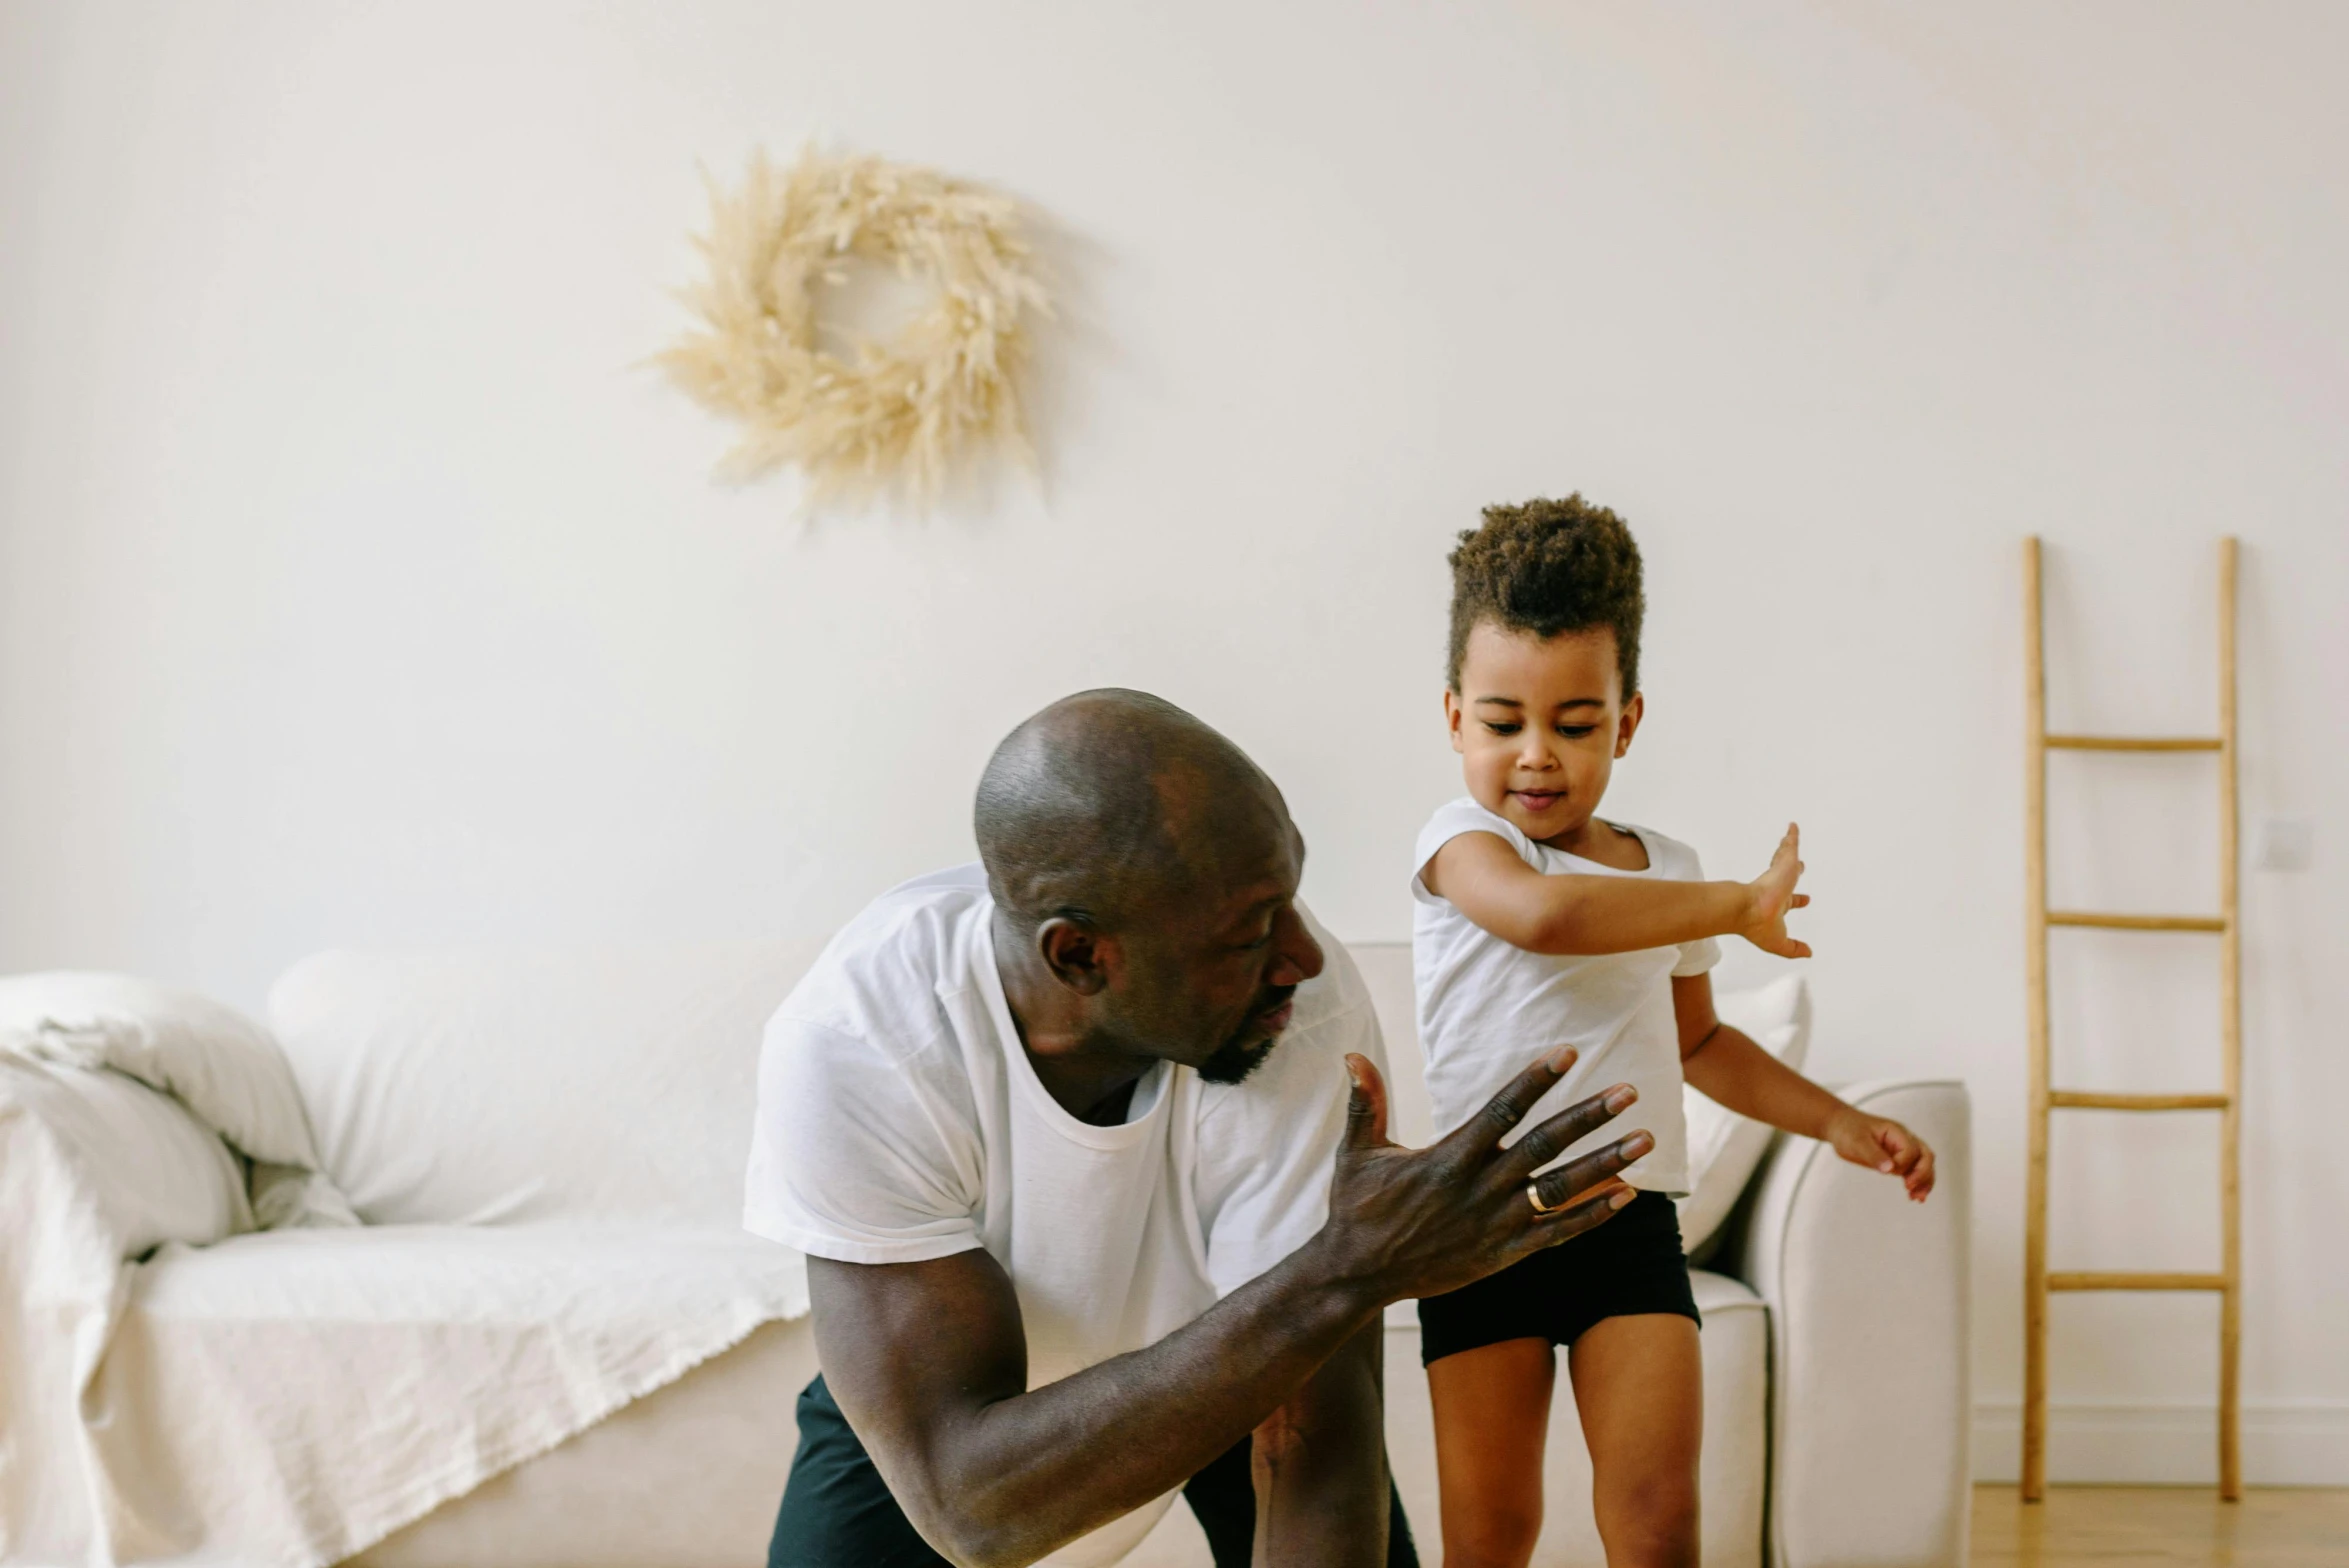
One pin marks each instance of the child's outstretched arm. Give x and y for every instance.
(1484, 878)
(1726, 1066)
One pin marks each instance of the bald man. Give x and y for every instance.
(1092, 1215)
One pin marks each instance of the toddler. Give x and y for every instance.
(1538, 923)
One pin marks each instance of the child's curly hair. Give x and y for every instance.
(1547, 567)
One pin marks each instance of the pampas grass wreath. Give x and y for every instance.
(902, 417)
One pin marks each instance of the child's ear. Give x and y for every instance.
(1628, 725)
(1452, 715)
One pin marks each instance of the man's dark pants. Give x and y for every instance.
(837, 1512)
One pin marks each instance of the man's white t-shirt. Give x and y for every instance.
(899, 1119)
(1488, 1008)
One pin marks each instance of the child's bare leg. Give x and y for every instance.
(1639, 1383)
(1492, 1417)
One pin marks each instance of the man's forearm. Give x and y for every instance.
(1586, 914)
(1320, 1466)
(1018, 1476)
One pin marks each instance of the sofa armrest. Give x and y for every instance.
(100, 1157)
(1869, 1300)
(96, 1170)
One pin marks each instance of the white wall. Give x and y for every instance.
(356, 586)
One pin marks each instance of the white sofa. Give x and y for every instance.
(1834, 1342)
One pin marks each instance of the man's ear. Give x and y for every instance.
(1453, 713)
(1078, 956)
(1628, 725)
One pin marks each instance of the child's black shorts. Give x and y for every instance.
(1631, 1264)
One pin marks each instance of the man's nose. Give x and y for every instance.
(1298, 958)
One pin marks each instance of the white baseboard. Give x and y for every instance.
(2168, 1445)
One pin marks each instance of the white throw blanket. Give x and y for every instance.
(176, 1387)
(292, 1398)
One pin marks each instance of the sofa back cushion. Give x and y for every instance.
(588, 1086)
(1724, 1148)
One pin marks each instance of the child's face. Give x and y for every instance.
(1539, 723)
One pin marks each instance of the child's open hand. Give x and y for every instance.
(1773, 897)
(1885, 1146)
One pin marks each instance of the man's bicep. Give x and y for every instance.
(913, 1352)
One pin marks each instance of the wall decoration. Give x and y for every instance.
(903, 416)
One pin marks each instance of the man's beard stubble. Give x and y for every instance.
(1233, 1061)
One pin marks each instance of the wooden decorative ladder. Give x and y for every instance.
(2226, 925)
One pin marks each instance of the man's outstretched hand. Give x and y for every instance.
(1419, 1222)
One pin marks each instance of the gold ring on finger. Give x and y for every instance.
(1533, 1195)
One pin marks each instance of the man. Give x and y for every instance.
(1087, 1220)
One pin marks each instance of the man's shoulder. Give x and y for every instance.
(865, 1148)
(880, 979)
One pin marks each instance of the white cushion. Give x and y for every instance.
(219, 1064)
(1723, 1147)
(484, 1087)
(117, 1151)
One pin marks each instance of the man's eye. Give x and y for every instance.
(1502, 729)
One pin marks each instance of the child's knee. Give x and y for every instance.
(1650, 1521)
(1493, 1536)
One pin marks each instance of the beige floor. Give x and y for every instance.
(2111, 1525)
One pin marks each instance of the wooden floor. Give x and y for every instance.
(2160, 1525)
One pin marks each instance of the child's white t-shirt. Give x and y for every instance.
(1488, 1008)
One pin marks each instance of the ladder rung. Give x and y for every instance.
(2093, 1100)
(2133, 743)
(2080, 1281)
(2077, 917)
